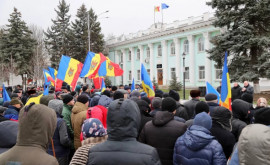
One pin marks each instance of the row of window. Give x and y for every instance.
(186, 49)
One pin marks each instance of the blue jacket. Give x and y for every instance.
(198, 147)
(12, 113)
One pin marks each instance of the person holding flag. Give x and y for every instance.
(146, 82)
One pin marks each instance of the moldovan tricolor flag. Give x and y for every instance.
(69, 71)
(226, 87)
(146, 83)
(103, 87)
(92, 64)
(48, 78)
(108, 68)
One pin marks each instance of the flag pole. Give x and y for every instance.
(154, 17)
(162, 15)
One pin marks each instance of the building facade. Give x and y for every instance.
(178, 48)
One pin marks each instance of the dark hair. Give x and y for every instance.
(84, 88)
(114, 88)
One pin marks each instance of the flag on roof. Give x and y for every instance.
(164, 6)
(157, 8)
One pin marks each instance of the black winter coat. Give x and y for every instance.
(236, 92)
(212, 106)
(181, 111)
(161, 133)
(190, 107)
(121, 147)
(224, 137)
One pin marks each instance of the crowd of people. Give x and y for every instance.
(120, 126)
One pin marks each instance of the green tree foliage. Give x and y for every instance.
(58, 36)
(16, 46)
(246, 37)
(174, 85)
(107, 81)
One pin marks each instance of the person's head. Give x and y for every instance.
(156, 103)
(262, 102)
(56, 105)
(210, 97)
(107, 93)
(8, 135)
(14, 96)
(31, 92)
(78, 89)
(114, 88)
(83, 99)
(143, 106)
(118, 95)
(247, 97)
(125, 93)
(123, 120)
(165, 95)
(262, 115)
(45, 99)
(158, 95)
(2, 110)
(37, 124)
(68, 99)
(223, 117)
(204, 120)
(195, 93)
(93, 128)
(64, 89)
(104, 101)
(135, 94)
(121, 86)
(201, 106)
(18, 92)
(246, 83)
(168, 104)
(146, 99)
(175, 95)
(94, 101)
(235, 84)
(84, 88)
(58, 94)
(127, 88)
(241, 109)
(16, 103)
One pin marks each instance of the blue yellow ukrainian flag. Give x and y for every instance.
(92, 64)
(211, 89)
(226, 87)
(53, 72)
(5, 94)
(132, 85)
(69, 70)
(103, 87)
(48, 78)
(146, 82)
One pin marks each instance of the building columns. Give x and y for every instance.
(151, 47)
(124, 66)
(141, 54)
(132, 63)
(165, 61)
(208, 63)
(191, 60)
(177, 59)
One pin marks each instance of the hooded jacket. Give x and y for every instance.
(77, 118)
(197, 146)
(66, 113)
(36, 128)
(121, 147)
(162, 133)
(8, 135)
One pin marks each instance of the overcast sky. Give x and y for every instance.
(125, 16)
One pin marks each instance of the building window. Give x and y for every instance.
(129, 75)
(138, 54)
(218, 73)
(172, 72)
(186, 73)
(186, 46)
(121, 57)
(129, 55)
(148, 52)
(172, 49)
(201, 72)
(148, 71)
(159, 51)
(138, 75)
(200, 44)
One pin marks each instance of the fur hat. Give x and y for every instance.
(67, 98)
(175, 95)
(168, 104)
(195, 93)
(204, 120)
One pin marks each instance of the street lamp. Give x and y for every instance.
(25, 76)
(89, 28)
(184, 78)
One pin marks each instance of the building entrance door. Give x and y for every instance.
(160, 76)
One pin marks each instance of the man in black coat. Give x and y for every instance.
(221, 127)
(123, 121)
(236, 91)
(180, 109)
(190, 105)
(211, 100)
(163, 131)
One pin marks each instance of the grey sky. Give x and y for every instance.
(125, 16)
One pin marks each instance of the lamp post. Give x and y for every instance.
(25, 76)
(184, 78)
(89, 28)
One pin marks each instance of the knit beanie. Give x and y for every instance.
(156, 102)
(67, 98)
(204, 120)
(201, 106)
(82, 99)
(168, 104)
(175, 95)
(118, 95)
(14, 102)
(56, 105)
(247, 97)
(262, 116)
(93, 128)
(45, 99)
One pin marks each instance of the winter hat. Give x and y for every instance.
(168, 104)
(73, 93)
(122, 91)
(165, 95)
(78, 88)
(127, 87)
(156, 102)
(56, 105)
(114, 88)
(84, 88)
(175, 95)
(14, 95)
(158, 95)
(104, 101)
(45, 99)
(210, 97)
(2, 109)
(93, 128)
(158, 91)
(135, 94)
(118, 95)
(262, 116)
(146, 99)
(107, 93)
(94, 101)
(8, 135)
(195, 93)
(204, 120)
(201, 106)
(67, 98)
(82, 99)
(247, 97)
(222, 116)
(14, 102)
(143, 106)
(31, 91)
(143, 94)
